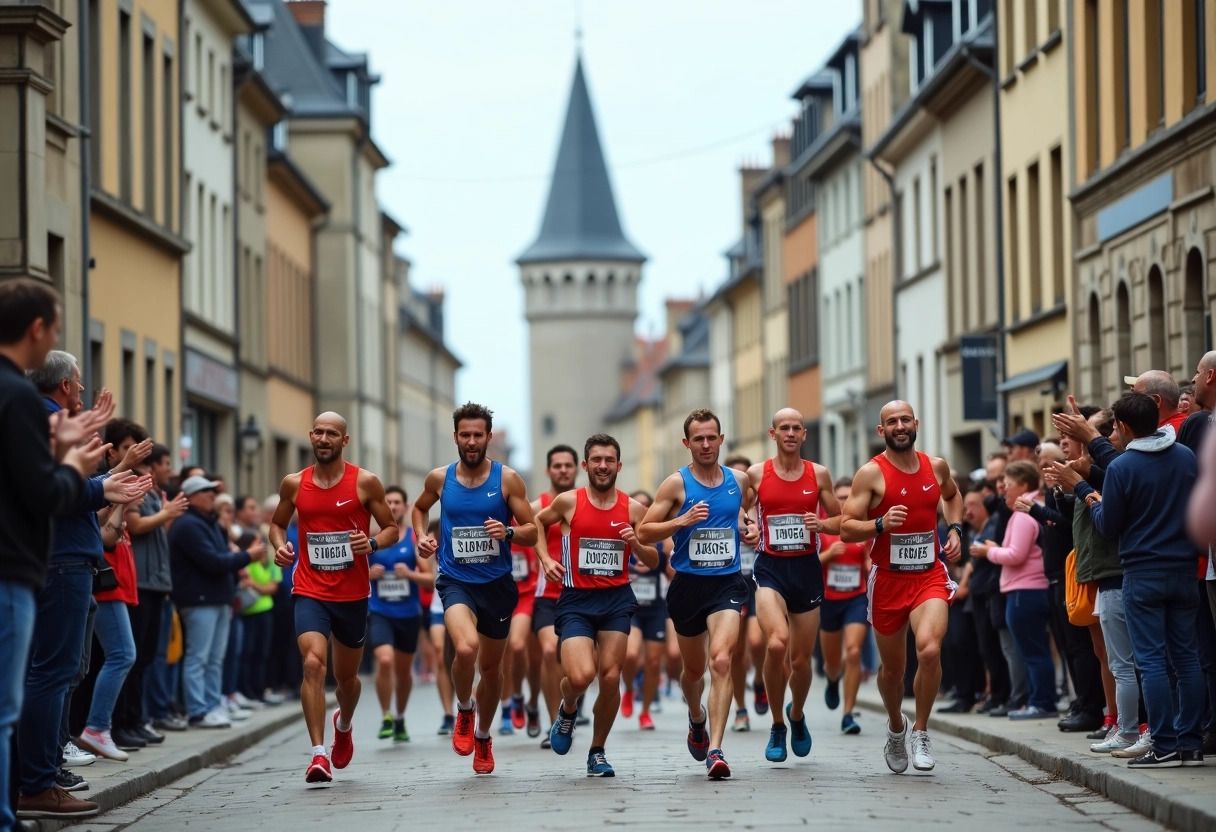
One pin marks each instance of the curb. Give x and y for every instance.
(1177, 808)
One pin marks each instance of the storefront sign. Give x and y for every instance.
(210, 379)
(978, 353)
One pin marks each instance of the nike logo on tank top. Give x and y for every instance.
(327, 568)
(466, 551)
(710, 547)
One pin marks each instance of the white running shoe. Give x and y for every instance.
(244, 701)
(1113, 742)
(75, 757)
(1141, 747)
(272, 698)
(896, 750)
(102, 744)
(922, 757)
(215, 719)
(234, 711)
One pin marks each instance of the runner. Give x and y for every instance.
(751, 639)
(395, 616)
(701, 507)
(842, 618)
(479, 498)
(597, 602)
(648, 628)
(336, 501)
(790, 494)
(442, 645)
(895, 501)
(561, 464)
(518, 664)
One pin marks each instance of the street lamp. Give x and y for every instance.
(251, 443)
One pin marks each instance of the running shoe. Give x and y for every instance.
(922, 756)
(506, 726)
(742, 723)
(1142, 747)
(483, 757)
(561, 735)
(645, 723)
(800, 735)
(101, 744)
(716, 766)
(69, 781)
(544, 743)
(344, 745)
(760, 697)
(399, 732)
(775, 751)
(318, 770)
(896, 750)
(698, 740)
(1153, 759)
(445, 727)
(462, 732)
(386, 727)
(627, 704)
(831, 694)
(597, 765)
(1032, 712)
(1115, 742)
(1191, 757)
(518, 719)
(533, 715)
(849, 725)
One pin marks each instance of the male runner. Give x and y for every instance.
(518, 664)
(479, 498)
(597, 603)
(442, 646)
(647, 630)
(789, 582)
(395, 616)
(701, 506)
(843, 617)
(335, 501)
(561, 464)
(751, 638)
(894, 501)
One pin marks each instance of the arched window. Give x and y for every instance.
(1196, 339)
(1157, 358)
(1094, 347)
(1123, 332)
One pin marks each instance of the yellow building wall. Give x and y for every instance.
(290, 409)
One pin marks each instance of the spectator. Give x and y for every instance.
(1143, 503)
(257, 620)
(984, 582)
(237, 706)
(204, 587)
(1024, 585)
(962, 666)
(1023, 445)
(1186, 400)
(248, 516)
(1165, 393)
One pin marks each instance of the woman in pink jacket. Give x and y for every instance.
(1024, 585)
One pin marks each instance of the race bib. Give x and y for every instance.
(711, 548)
(329, 551)
(519, 566)
(393, 589)
(473, 544)
(913, 552)
(600, 556)
(787, 533)
(747, 559)
(645, 589)
(844, 577)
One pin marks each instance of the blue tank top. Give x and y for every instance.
(710, 547)
(646, 584)
(391, 596)
(466, 551)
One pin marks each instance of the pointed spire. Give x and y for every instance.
(580, 221)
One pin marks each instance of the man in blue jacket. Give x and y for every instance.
(1143, 503)
(204, 586)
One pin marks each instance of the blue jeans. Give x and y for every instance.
(1121, 659)
(61, 609)
(232, 659)
(1161, 610)
(162, 680)
(1026, 614)
(206, 631)
(16, 630)
(113, 629)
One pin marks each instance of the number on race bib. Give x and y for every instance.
(747, 559)
(712, 548)
(329, 551)
(393, 589)
(913, 552)
(787, 533)
(600, 556)
(844, 577)
(473, 544)
(645, 589)
(519, 566)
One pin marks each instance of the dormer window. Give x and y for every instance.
(257, 46)
(352, 89)
(278, 136)
(850, 83)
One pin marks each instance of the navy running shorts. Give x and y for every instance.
(492, 603)
(692, 599)
(589, 612)
(402, 633)
(798, 579)
(652, 621)
(346, 621)
(836, 615)
(544, 613)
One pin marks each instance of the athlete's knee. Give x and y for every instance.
(852, 654)
(314, 666)
(610, 677)
(778, 644)
(891, 673)
(719, 663)
(466, 652)
(800, 664)
(385, 662)
(929, 654)
(652, 663)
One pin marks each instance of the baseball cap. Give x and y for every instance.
(1130, 381)
(193, 485)
(1025, 438)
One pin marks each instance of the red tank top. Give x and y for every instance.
(523, 567)
(842, 577)
(595, 555)
(326, 568)
(553, 543)
(780, 505)
(913, 547)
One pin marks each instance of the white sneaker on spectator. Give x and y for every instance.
(1141, 747)
(214, 719)
(1113, 742)
(101, 744)
(74, 756)
(244, 701)
(269, 697)
(234, 711)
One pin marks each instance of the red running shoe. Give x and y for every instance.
(627, 704)
(760, 698)
(344, 746)
(462, 734)
(645, 722)
(483, 759)
(518, 720)
(318, 770)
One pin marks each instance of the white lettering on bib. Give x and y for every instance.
(711, 548)
(393, 589)
(601, 556)
(747, 559)
(329, 551)
(787, 533)
(519, 566)
(645, 589)
(473, 544)
(912, 552)
(844, 577)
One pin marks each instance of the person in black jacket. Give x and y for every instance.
(204, 587)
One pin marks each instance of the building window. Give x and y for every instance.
(981, 256)
(933, 208)
(170, 396)
(125, 132)
(1015, 280)
(1124, 116)
(128, 383)
(1030, 24)
(1093, 93)
(210, 81)
(1201, 50)
(150, 395)
(1010, 50)
(200, 79)
(963, 272)
(148, 71)
(278, 136)
(258, 48)
(1123, 331)
(167, 111)
(548, 426)
(953, 309)
(1157, 357)
(1154, 42)
(95, 91)
(221, 118)
(1053, 16)
(1034, 234)
(97, 366)
(1057, 226)
(1095, 349)
(917, 227)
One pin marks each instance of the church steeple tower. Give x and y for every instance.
(580, 279)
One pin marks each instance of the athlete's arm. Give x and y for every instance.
(426, 546)
(749, 531)
(648, 555)
(662, 520)
(424, 575)
(371, 494)
(854, 527)
(517, 500)
(827, 499)
(284, 552)
(952, 508)
(558, 511)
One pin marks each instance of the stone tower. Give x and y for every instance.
(580, 281)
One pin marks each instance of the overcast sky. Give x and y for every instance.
(470, 108)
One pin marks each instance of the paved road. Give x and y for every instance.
(658, 786)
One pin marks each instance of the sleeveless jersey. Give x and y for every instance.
(524, 568)
(395, 597)
(594, 554)
(554, 540)
(645, 585)
(842, 576)
(712, 546)
(913, 546)
(780, 506)
(327, 569)
(466, 550)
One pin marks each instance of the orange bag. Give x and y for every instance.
(176, 643)
(1079, 599)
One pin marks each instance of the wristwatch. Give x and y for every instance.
(510, 533)
(878, 526)
(375, 544)
(955, 527)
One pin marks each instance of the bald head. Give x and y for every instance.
(786, 414)
(331, 419)
(788, 431)
(328, 438)
(893, 407)
(1162, 387)
(1205, 381)
(897, 426)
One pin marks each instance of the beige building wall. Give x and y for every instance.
(776, 332)
(751, 422)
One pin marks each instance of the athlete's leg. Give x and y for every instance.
(489, 660)
(534, 669)
(443, 668)
(832, 645)
(426, 650)
(650, 673)
(892, 659)
(854, 639)
(578, 664)
(517, 648)
(928, 623)
(724, 631)
(738, 670)
(385, 673)
(611, 656)
(462, 630)
(694, 657)
(804, 627)
(771, 613)
(312, 689)
(756, 644)
(675, 658)
(404, 673)
(346, 674)
(633, 655)
(550, 671)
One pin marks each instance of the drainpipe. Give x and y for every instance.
(86, 187)
(237, 450)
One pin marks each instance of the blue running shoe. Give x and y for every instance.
(505, 728)
(597, 765)
(775, 752)
(800, 737)
(698, 740)
(716, 766)
(831, 694)
(848, 725)
(561, 735)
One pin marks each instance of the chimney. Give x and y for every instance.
(781, 150)
(749, 177)
(310, 16)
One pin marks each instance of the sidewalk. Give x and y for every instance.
(1180, 798)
